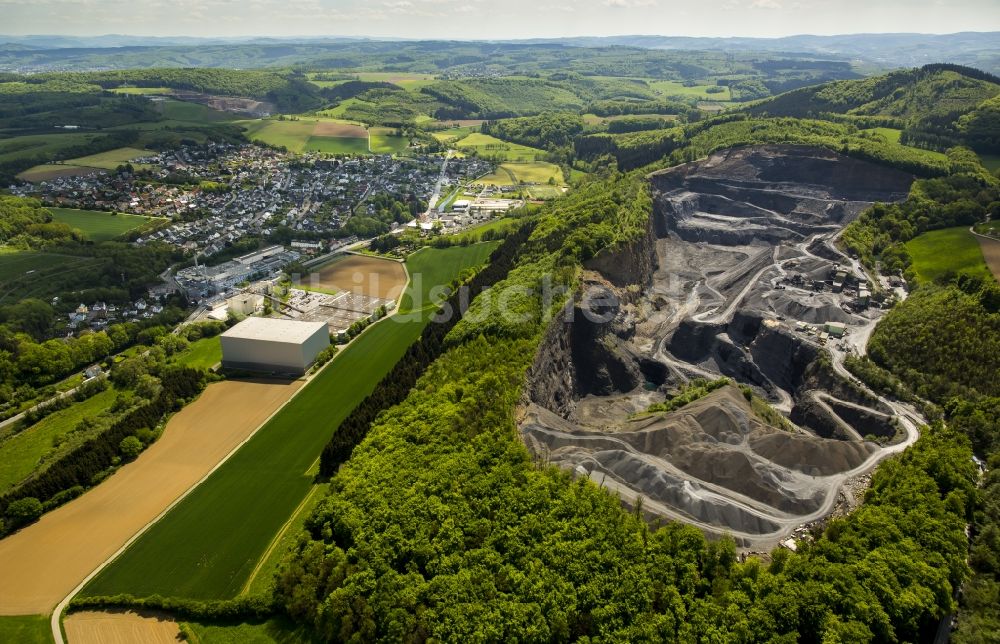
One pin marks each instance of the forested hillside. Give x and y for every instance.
(936, 106)
(475, 541)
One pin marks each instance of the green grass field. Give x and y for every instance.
(98, 226)
(675, 88)
(111, 159)
(28, 629)
(194, 112)
(489, 146)
(22, 452)
(337, 145)
(530, 172)
(278, 630)
(21, 263)
(291, 134)
(210, 543)
(383, 141)
(201, 354)
(142, 90)
(990, 161)
(891, 135)
(946, 252)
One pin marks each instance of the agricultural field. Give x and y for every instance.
(292, 135)
(22, 452)
(489, 146)
(98, 225)
(98, 627)
(454, 133)
(326, 135)
(192, 112)
(336, 145)
(538, 172)
(384, 141)
(34, 145)
(406, 80)
(209, 545)
(25, 629)
(44, 561)
(940, 253)
(675, 88)
(50, 171)
(21, 271)
(85, 165)
(382, 278)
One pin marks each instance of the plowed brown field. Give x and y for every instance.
(369, 276)
(93, 627)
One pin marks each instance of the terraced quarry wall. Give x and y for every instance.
(724, 286)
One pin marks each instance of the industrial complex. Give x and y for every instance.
(274, 345)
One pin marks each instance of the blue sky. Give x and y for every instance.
(494, 19)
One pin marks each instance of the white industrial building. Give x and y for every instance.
(274, 345)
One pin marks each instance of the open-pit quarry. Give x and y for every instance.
(738, 275)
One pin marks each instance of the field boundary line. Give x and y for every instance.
(61, 606)
(56, 619)
(279, 535)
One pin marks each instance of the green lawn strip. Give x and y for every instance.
(262, 579)
(21, 454)
(275, 630)
(98, 225)
(201, 354)
(25, 629)
(210, 543)
(943, 252)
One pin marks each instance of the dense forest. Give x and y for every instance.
(936, 106)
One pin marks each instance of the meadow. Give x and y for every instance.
(539, 172)
(201, 354)
(98, 225)
(209, 545)
(108, 160)
(489, 146)
(383, 141)
(27, 629)
(675, 88)
(891, 134)
(336, 145)
(16, 266)
(21, 453)
(941, 253)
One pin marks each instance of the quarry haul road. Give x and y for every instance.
(908, 417)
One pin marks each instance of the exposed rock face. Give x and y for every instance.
(699, 297)
(770, 193)
(634, 264)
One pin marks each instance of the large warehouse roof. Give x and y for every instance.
(274, 330)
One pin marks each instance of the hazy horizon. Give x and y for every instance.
(479, 20)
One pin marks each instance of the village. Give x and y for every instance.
(217, 194)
